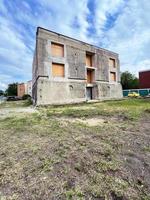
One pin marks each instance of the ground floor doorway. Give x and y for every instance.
(89, 95)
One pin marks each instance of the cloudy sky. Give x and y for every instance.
(122, 26)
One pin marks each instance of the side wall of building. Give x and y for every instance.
(72, 87)
(29, 88)
(144, 79)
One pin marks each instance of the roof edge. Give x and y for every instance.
(74, 39)
(147, 70)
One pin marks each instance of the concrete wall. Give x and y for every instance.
(29, 88)
(71, 88)
(56, 92)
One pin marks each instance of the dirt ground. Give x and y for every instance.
(98, 151)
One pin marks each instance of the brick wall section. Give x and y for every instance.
(21, 89)
(144, 79)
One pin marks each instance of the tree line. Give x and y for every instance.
(129, 81)
(10, 91)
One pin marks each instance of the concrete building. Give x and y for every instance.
(66, 70)
(144, 79)
(29, 87)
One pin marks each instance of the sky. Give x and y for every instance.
(122, 26)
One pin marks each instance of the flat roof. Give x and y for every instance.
(74, 39)
(147, 70)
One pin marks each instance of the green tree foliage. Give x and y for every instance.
(11, 90)
(1, 92)
(129, 81)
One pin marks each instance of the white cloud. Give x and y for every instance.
(103, 9)
(4, 79)
(62, 16)
(2, 7)
(128, 35)
(17, 41)
(3, 85)
(16, 58)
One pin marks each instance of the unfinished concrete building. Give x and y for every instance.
(66, 70)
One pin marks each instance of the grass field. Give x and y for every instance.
(85, 151)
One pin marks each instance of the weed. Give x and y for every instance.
(74, 194)
(47, 165)
(42, 151)
(146, 148)
(100, 183)
(104, 165)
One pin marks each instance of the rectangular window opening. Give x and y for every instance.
(88, 60)
(112, 63)
(89, 76)
(113, 76)
(58, 70)
(57, 49)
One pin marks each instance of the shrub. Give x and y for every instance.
(28, 102)
(26, 96)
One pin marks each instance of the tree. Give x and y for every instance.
(1, 92)
(12, 89)
(135, 83)
(129, 81)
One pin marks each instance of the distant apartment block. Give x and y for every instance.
(144, 79)
(66, 70)
(21, 89)
(24, 88)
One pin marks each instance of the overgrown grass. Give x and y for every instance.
(46, 157)
(130, 109)
(15, 104)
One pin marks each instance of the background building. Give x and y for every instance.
(66, 70)
(21, 89)
(24, 88)
(144, 79)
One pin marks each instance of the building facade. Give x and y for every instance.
(144, 79)
(29, 88)
(66, 70)
(24, 88)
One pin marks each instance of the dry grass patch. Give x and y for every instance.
(62, 153)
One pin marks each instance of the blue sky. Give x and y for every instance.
(122, 26)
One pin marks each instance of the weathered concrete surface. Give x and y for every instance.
(59, 92)
(71, 88)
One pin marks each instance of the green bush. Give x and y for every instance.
(28, 102)
(26, 96)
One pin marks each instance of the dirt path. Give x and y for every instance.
(10, 109)
(8, 112)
